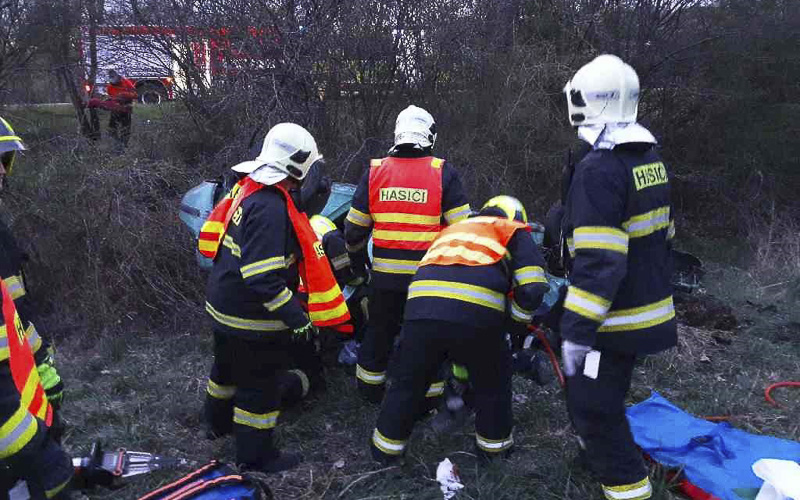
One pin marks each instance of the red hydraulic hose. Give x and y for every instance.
(550, 354)
(767, 391)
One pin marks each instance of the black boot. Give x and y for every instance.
(281, 462)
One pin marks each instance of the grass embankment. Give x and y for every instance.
(123, 302)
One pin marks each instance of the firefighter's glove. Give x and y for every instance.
(305, 333)
(51, 381)
(572, 355)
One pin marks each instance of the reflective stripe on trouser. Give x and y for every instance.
(368, 377)
(633, 491)
(256, 420)
(435, 390)
(220, 391)
(494, 445)
(385, 314)
(597, 412)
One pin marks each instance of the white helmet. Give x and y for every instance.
(415, 126)
(604, 91)
(288, 150)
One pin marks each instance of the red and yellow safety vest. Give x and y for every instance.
(480, 241)
(22, 364)
(405, 201)
(326, 304)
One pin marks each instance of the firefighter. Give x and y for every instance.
(30, 388)
(123, 92)
(404, 200)
(262, 246)
(458, 302)
(618, 223)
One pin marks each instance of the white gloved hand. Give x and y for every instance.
(572, 355)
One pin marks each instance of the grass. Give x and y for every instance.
(123, 302)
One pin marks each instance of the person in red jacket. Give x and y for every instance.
(123, 92)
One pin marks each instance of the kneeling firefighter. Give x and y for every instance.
(618, 223)
(456, 309)
(264, 340)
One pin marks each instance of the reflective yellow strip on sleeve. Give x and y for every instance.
(382, 234)
(634, 491)
(259, 421)
(639, 318)
(529, 274)
(368, 377)
(256, 325)
(220, 391)
(671, 230)
(3, 343)
(457, 291)
(647, 223)
(423, 220)
(10, 138)
(386, 445)
(15, 285)
(586, 304)
(340, 262)
(457, 214)
(394, 266)
(435, 390)
(262, 266)
(17, 431)
(494, 445)
(571, 247)
(359, 218)
(601, 238)
(283, 297)
(231, 245)
(34, 340)
(519, 314)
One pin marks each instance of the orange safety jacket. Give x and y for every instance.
(405, 201)
(326, 304)
(480, 241)
(22, 364)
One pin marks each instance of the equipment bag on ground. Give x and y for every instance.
(213, 481)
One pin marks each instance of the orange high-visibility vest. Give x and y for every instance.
(22, 364)
(405, 201)
(326, 304)
(480, 241)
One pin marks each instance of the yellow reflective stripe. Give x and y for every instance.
(359, 218)
(28, 391)
(211, 226)
(529, 274)
(340, 262)
(326, 296)
(3, 343)
(647, 223)
(34, 340)
(601, 238)
(639, 318)
(220, 391)
(283, 297)
(435, 390)
(368, 377)
(450, 251)
(15, 285)
(329, 314)
(586, 304)
(474, 239)
(382, 234)
(231, 245)
(437, 163)
(671, 230)
(386, 445)
(519, 314)
(9, 138)
(304, 382)
(207, 246)
(256, 420)
(457, 214)
(17, 431)
(290, 260)
(394, 266)
(457, 291)
(257, 325)
(375, 162)
(635, 491)
(262, 266)
(55, 491)
(494, 445)
(571, 247)
(426, 220)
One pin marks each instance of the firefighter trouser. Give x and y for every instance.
(597, 411)
(425, 346)
(119, 126)
(249, 383)
(385, 317)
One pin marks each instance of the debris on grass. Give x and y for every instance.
(448, 478)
